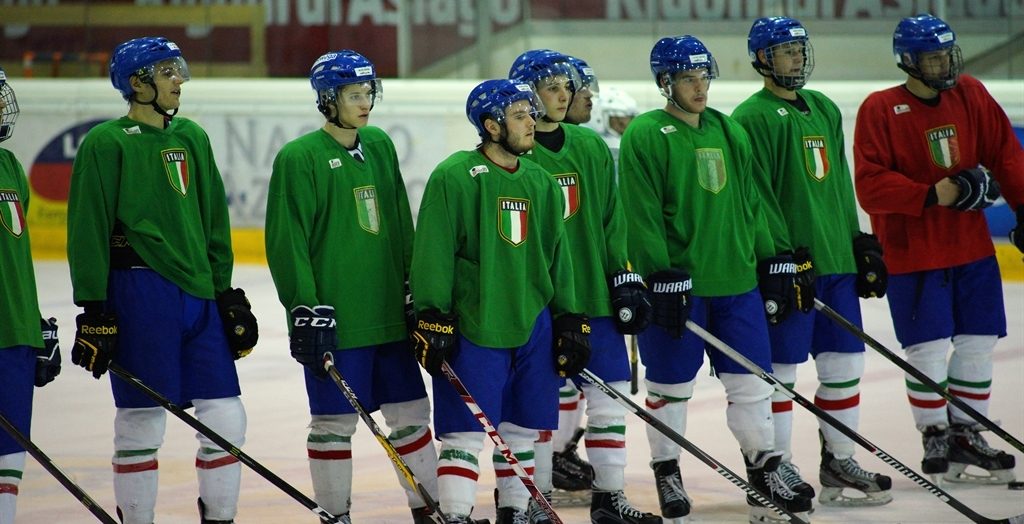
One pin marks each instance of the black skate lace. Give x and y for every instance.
(790, 474)
(622, 505)
(777, 485)
(671, 488)
(979, 443)
(535, 513)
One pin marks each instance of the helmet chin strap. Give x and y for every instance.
(156, 107)
(667, 93)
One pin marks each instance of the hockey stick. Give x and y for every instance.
(49, 466)
(224, 444)
(634, 357)
(844, 429)
(916, 373)
(436, 515)
(499, 442)
(672, 434)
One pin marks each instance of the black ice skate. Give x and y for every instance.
(512, 516)
(763, 473)
(464, 519)
(204, 520)
(611, 507)
(836, 474)
(674, 501)
(536, 513)
(569, 471)
(936, 451)
(968, 448)
(423, 515)
(791, 476)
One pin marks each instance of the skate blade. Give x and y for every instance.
(570, 499)
(677, 520)
(960, 474)
(834, 497)
(763, 515)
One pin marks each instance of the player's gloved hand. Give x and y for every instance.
(978, 189)
(571, 343)
(670, 299)
(776, 279)
(631, 302)
(435, 338)
(1017, 233)
(95, 341)
(48, 356)
(804, 280)
(314, 333)
(410, 309)
(239, 322)
(872, 275)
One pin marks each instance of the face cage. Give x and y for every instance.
(791, 82)
(171, 67)
(9, 114)
(938, 83)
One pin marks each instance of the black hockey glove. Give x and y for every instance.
(776, 279)
(571, 344)
(631, 302)
(95, 341)
(1017, 233)
(804, 280)
(239, 322)
(670, 299)
(48, 356)
(314, 333)
(872, 275)
(435, 338)
(978, 189)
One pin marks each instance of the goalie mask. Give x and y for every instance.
(925, 48)
(333, 71)
(8, 108)
(779, 48)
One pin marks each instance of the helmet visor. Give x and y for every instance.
(171, 69)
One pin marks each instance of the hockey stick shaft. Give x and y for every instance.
(917, 374)
(842, 428)
(499, 442)
(223, 443)
(52, 468)
(436, 515)
(634, 359)
(673, 435)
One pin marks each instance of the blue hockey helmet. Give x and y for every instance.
(588, 78)
(776, 35)
(916, 35)
(491, 98)
(536, 65)
(341, 68)
(8, 107)
(681, 53)
(138, 56)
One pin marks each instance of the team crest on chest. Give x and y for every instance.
(570, 184)
(366, 208)
(11, 213)
(816, 157)
(711, 169)
(176, 164)
(944, 146)
(512, 219)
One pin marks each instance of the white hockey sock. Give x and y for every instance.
(970, 374)
(667, 403)
(927, 406)
(543, 461)
(12, 466)
(606, 438)
(458, 469)
(410, 434)
(839, 395)
(749, 413)
(782, 410)
(511, 491)
(329, 447)
(570, 413)
(138, 435)
(220, 473)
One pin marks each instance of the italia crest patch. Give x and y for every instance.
(570, 184)
(11, 213)
(944, 146)
(366, 208)
(176, 164)
(513, 214)
(816, 157)
(711, 169)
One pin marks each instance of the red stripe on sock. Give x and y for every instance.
(656, 403)
(416, 445)
(783, 407)
(8, 489)
(149, 465)
(968, 394)
(569, 406)
(458, 472)
(838, 404)
(338, 454)
(217, 463)
(544, 436)
(505, 473)
(594, 443)
(927, 404)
